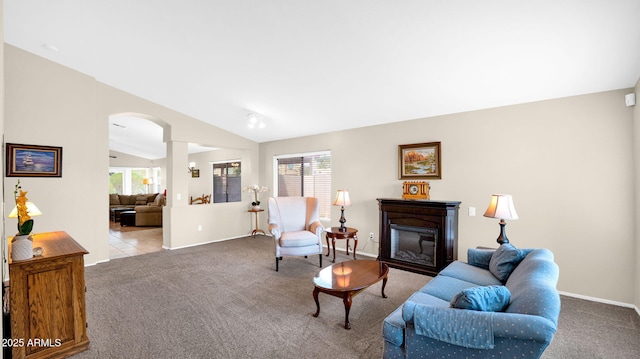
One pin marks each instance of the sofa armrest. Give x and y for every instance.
(479, 257)
(147, 209)
(466, 328)
(470, 328)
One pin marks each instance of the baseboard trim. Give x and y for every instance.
(203, 243)
(600, 300)
(96, 263)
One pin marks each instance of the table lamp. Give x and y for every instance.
(342, 199)
(32, 210)
(501, 206)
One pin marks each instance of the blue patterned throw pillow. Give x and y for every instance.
(505, 259)
(491, 298)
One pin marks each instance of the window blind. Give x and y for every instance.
(306, 176)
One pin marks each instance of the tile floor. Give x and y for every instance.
(133, 241)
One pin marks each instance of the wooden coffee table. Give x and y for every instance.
(346, 279)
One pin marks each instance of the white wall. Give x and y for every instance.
(49, 104)
(567, 162)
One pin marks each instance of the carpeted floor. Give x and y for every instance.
(224, 300)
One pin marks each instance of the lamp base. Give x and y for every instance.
(342, 220)
(502, 239)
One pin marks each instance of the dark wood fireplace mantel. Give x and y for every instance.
(418, 235)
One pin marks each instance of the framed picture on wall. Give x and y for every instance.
(420, 160)
(195, 173)
(33, 161)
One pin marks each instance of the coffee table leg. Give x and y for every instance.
(347, 307)
(315, 297)
(384, 284)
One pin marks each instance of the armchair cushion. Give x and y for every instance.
(298, 239)
(492, 298)
(505, 260)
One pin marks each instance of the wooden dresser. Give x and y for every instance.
(48, 313)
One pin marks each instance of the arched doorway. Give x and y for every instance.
(137, 174)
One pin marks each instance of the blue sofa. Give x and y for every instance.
(427, 326)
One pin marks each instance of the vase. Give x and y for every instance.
(21, 247)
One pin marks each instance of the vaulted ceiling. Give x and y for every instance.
(309, 66)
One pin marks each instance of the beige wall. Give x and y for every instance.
(568, 163)
(49, 104)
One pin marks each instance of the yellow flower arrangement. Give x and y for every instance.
(25, 223)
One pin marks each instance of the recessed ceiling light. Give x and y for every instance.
(50, 47)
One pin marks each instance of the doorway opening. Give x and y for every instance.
(137, 166)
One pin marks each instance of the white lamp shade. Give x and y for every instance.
(501, 206)
(32, 210)
(342, 198)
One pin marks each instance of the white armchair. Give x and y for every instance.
(295, 225)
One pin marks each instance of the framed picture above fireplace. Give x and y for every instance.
(420, 160)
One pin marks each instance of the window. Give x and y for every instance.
(306, 175)
(226, 182)
(130, 180)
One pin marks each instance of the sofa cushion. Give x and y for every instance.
(470, 273)
(114, 199)
(480, 257)
(505, 260)
(158, 201)
(491, 298)
(141, 200)
(445, 288)
(151, 197)
(126, 199)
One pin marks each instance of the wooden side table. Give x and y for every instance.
(257, 229)
(48, 310)
(335, 233)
